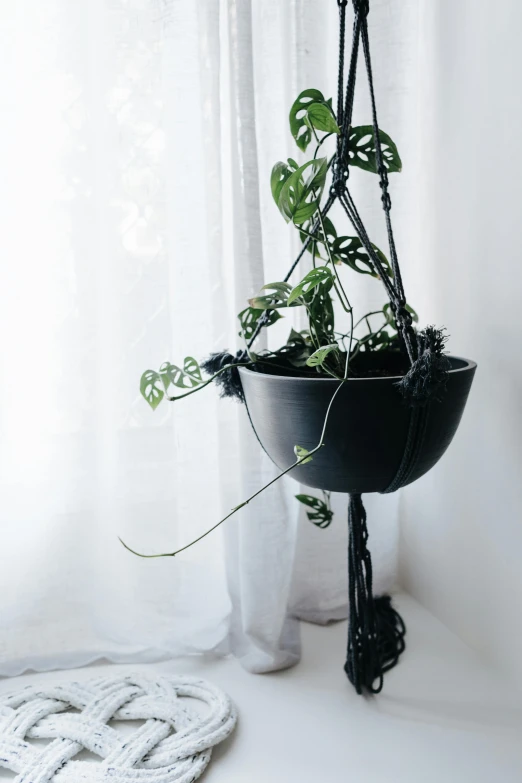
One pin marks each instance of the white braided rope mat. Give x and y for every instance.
(174, 744)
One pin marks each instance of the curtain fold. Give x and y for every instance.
(137, 148)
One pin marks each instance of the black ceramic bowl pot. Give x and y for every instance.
(367, 431)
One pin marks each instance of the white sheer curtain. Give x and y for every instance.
(136, 144)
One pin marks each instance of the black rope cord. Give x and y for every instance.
(375, 631)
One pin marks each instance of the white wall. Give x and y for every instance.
(461, 536)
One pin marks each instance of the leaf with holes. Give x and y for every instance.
(301, 122)
(297, 349)
(320, 515)
(191, 369)
(375, 341)
(249, 317)
(301, 452)
(321, 315)
(388, 314)
(187, 378)
(351, 251)
(279, 175)
(321, 117)
(301, 192)
(151, 388)
(276, 299)
(361, 150)
(320, 276)
(318, 357)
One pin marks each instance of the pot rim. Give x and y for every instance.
(470, 364)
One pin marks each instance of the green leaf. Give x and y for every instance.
(321, 117)
(186, 378)
(318, 357)
(378, 341)
(300, 195)
(297, 349)
(278, 297)
(321, 275)
(281, 289)
(299, 127)
(279, 175)
(249, 317)
(151, 388)
(296, 336)
(361, 150)
(321, 515)
(192, 369)
(301, 452)
(265, 303)
(351, 251)
(321, 315)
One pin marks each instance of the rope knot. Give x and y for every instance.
(403, 316)
(386, 201)
(427, 377)
(228, 381)
(338, 187)
(382, 171)
(361, 7)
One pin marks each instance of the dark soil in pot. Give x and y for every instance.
(367, 364)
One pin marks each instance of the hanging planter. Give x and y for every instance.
(346, 405)
(373, 442)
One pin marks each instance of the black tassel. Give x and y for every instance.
(427, 377)
(229, 381)
(375, 630)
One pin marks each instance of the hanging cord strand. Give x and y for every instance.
(349, 207)
(341, 173)
(343, 139)
(340, 74)
(402, 316)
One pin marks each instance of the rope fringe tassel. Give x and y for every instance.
(375, 629)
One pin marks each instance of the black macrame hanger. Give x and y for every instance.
(376, 631)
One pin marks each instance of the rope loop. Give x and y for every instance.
(383, 175)
(386, 200)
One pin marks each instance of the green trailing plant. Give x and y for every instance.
(324, 348)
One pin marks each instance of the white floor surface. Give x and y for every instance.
(443, 717)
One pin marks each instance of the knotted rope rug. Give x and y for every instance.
(173, 745)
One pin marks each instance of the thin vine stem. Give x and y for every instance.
(368, 315)
(300, 461)
(334, 266)
(350, 308)
(207, 382)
